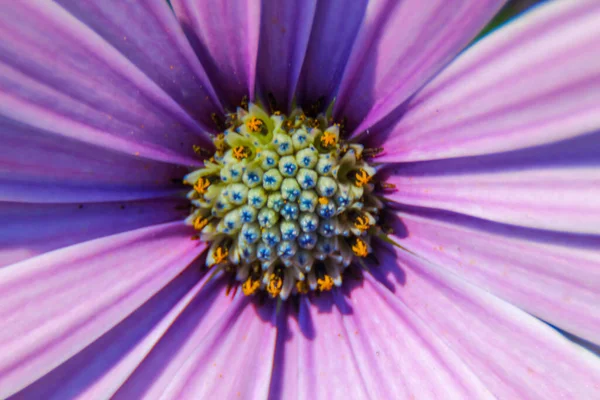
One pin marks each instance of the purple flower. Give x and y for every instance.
(483, 282)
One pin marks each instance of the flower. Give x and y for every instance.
(483, 281)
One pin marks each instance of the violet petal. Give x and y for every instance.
(30, 229)
(400, 46)
(224, 35)
(208, 350)
(56, 304)
(101, 368)
(535, 81)
(554, 187)
(514, 354)
(66, 79)
(284, 36)
(48, 168)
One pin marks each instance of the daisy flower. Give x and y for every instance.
(313, 199)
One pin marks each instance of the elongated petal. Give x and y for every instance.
(39, 167)
(400, 46)
(102, 367)
(333, 34)
(209, 352)
(514, 354)
(57, 74)
(284, 35)
(553, 276)
(367, 346)
(56, 304)
(315, 360)
(224, 35)
(29, 229)
(148, 35)
(532, 82)
(555, 187)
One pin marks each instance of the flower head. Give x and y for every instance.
(369, 213)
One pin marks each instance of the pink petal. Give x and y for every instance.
(30, 229)
(400, 46)
(552, 276)
(535, 81)
(368, 345)
(515, 355)
(37, 166)
(56, 304)
(220, 347)
(224, 34)
(60, 76)
(555, 187)
(284, 37)
(101, 368)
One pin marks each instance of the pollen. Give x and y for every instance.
(240, 153)
(302, 287)
(361, 223)
(254, 124)
(362, 178)
(202, 185)
(284, 204)
(220, 255)
(275, 285)
(328, 139)
(250, 286)
(200, 223)
(325, 284)
(360, 248)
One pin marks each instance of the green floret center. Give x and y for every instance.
(284, 202)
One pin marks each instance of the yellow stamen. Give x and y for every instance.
(250, 286)
(275, 285)
(362, 223)
(202, 185)
(325, 284)
(240, 153)
(220, 255)
(328, 139)
(254, 124)
(323, 200)
(362, 178)
(302, 287)
(277, 113)
(200, 223)
(360, 248)
(197, 149)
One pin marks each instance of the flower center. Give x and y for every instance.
(285, 203)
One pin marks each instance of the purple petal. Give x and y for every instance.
(28, 230)
(400, 46)
(56, 304)
(315, 358)
(218, 348)
(555, 187)
(60, 76)
(553, 276)
(102, 367)
(515, 355)
(334, 29)
(38, 166)
(147, 34)
(284, 35)
(368, 345)
(535, 81)
(225, 40)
